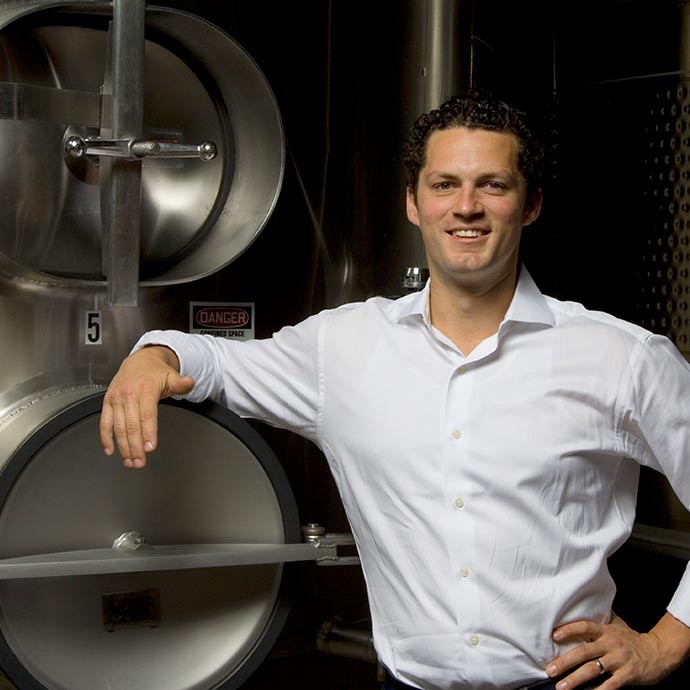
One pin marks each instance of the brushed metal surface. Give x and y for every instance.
(205, 487)
(200, 85)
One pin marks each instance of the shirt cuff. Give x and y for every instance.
(178, 343)
(164, 338)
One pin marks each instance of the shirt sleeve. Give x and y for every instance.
(658, 429)
(275, 380)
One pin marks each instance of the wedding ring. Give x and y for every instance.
(600, 666)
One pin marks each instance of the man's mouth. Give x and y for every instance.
(468, 233)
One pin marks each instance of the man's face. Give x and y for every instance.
(470, 205)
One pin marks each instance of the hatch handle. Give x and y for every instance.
(137, 149)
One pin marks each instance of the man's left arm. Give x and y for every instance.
(631, 658)
(658, 435)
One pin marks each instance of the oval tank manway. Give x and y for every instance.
(210, 163)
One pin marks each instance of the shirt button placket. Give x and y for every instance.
(463, 529)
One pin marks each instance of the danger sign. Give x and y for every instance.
(222, 319)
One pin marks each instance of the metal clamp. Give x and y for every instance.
(329, 542)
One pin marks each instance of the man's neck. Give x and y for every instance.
(468, 314)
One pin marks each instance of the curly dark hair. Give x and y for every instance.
(475, 110)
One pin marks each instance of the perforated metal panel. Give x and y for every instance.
(665, 275)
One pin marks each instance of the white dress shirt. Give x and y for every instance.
(485, 492)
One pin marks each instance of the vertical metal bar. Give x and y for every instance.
(440, 50)
(121, 178)
(684, 48)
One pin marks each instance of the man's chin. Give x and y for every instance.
(478, 276)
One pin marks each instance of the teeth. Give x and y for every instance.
(467, 233)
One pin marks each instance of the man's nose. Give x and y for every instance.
(467, 203)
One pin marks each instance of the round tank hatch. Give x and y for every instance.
(213, 481)
(197, 214)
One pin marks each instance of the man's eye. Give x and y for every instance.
(443, 185)
(495, 186)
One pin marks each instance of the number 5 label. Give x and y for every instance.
(93, 334)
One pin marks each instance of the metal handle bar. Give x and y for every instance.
(136, 149)
(132, 553)
(181, 557)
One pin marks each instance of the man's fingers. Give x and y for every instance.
(119, 430)
(582, 629)
(145, 416)
(106, 429)
(179, 385)
(130, 406)
(617, 653)
(123, 421)
(572, 659)
(585, 673)
(136, 407)
(147, 423)
(579, 661)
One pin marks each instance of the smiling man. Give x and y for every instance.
(471, 201)
(485, 439)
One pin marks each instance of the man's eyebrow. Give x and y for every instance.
(502, 173)
(443, 174)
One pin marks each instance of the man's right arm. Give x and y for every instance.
(129, 418)
(275, 380)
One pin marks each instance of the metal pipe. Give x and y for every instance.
(438, 54)
(661, 540)
(347, 641)
(435, 78)
(121, 183)
(684, 48)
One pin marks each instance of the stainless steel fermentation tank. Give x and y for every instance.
(142, 152)
(70, 277)
(116, 189)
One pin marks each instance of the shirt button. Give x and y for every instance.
(456, 434)
(465, 572)
(459, 503)
(474, 640)
(462, 369)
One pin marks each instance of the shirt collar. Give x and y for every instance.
(414, 305)
(528, 304)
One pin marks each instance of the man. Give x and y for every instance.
(485, 439)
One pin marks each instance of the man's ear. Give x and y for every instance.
(532, 206)
(411, 206)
